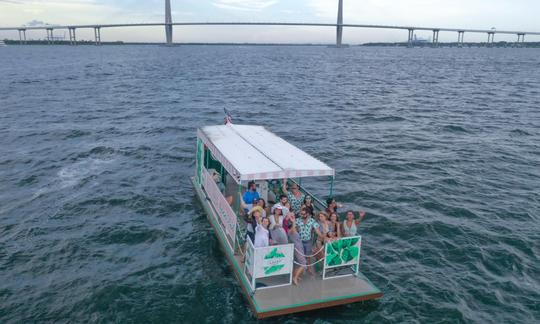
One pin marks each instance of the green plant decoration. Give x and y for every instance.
(274, 254)
(342, 251)
(272, 269)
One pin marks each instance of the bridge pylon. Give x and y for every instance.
(339, 27)
(168, 23)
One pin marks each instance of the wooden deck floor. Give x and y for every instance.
(312, 293)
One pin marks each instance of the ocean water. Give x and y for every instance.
(99, 222)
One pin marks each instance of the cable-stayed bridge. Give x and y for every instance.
(339, 25)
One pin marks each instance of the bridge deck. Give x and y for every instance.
(468, 30)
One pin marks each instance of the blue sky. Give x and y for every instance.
(502, 14)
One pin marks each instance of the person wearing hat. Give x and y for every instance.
(282, 203)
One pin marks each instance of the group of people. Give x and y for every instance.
(293, 219)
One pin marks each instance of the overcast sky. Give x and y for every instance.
(502, 14)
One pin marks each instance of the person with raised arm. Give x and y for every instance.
(350, 224)
(262, 235)
(276, 227)
(295, 196)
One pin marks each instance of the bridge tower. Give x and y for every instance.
(168, 23)
(339, 27)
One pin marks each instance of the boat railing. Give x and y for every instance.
(226, 217)
(262, 265)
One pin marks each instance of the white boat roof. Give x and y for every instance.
(253, 153)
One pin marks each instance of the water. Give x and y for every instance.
(99, 222)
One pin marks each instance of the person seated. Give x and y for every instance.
(274, 191)
(350, 224)
(221, 186)
(217, 179)
(262, 235)
(249, 196)
(295, 196)
(251, 193)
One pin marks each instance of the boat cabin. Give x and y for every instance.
(228, 158)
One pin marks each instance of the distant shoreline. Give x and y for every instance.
(394, 44)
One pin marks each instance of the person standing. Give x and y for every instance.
(306, 225)
(335, 228)
(300, 264)
(295, 196)
(276, 227)
(262, 235)
(350, 224)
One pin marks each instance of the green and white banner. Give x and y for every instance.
(342, 252)
(273, 260)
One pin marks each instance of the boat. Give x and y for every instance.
(228, 157)
(2, 43)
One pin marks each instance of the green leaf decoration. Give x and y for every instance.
(336, 245)
(274, 254)
(336, 260)
(345, 255)
(272, 269)
(330, 250)
(354, 241)
(342, 251)
(354, 251)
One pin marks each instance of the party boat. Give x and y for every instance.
(228, 158)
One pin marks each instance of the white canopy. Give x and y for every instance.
(253, 153)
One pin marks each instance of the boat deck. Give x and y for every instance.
(312, 292)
